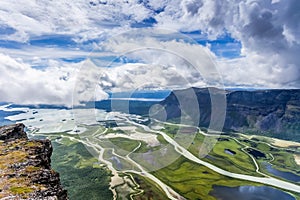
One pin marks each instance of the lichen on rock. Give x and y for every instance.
(25, 167)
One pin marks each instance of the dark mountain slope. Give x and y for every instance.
(266, 112)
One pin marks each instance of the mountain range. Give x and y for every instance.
(271, 112)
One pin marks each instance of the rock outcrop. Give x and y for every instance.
(25, 170)
(12, 132)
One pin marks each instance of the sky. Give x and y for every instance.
(66, 52)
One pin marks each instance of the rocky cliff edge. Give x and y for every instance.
(25, 170)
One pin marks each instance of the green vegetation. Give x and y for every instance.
(31, 168)
(86, 180)
(150, 189)
(124, 145)
(78, 172)
(194, 181)
(171, 130)
(15, 170)
(285, 161)
(195, 146)
(129, 145)
(240, 162)
(198, 182)
(281, 158)
(21, 190)
(17, 156)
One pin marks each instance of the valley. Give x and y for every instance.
(137, 157)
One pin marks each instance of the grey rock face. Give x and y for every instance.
(12, 132)
(25, 167)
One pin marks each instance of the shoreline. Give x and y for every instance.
(297, 159)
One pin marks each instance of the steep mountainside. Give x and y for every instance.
(25, 170)
(268, 112)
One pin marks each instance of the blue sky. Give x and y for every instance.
(223, 47)
(45, 45)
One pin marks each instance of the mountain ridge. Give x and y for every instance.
(271, 112)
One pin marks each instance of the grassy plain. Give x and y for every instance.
(282, 159)
(194, 181)
(191, 180)
(240, 162)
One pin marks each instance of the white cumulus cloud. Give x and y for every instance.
(268, 31)
(20, 83)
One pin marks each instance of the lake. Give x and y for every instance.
(249, 193)
(286, 175)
